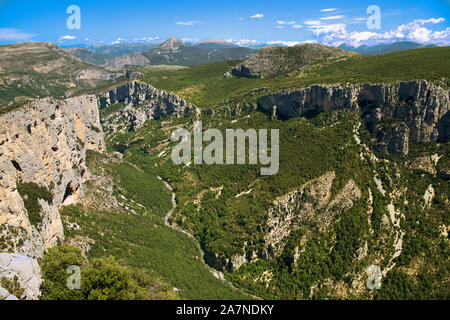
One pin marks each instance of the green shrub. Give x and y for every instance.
(31, 192)
(12, 286)
(54, 266)
(102, 278)
(106, 279)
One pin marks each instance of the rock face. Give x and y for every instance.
(171, 44)
(399, 113)
(27, 271)
(142, 102)
(94, 74)
(135, 59)
(273, 61)
(312, 202)
(45, 143)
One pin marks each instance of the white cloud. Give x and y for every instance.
(285, 22)
(66, 37)
(313, 22)
(430, 21)
(146, 39)
(244, 42)
(297, 26)
(328, 10)
(248, 42)
(327, 28)
(279, 27)
(186, 23)
(310, 41)
(240, 18)
(257, 16)
(190, 40)
(336, 34)
(332, 17)
(119, 40)
(443, 36)
(9, 34)
(284, 43)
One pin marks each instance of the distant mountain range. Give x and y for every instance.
(171, 52)
(175, 52)
(114, 50)
(89, 56)
(214, 45)
(385, 48)
(121, 49)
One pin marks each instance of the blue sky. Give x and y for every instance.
(242, 22)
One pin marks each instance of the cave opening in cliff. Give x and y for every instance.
(312, 113)
(16, 165)
(70, 191)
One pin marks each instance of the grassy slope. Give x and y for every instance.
(309, 148)
(306, 152)
(205, 85)
(276, 61)
(36, 70)
(143, 240)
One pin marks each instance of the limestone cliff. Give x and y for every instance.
(313, 202)
(141, 102)
(398, 113)
(28, 275)
(44, 143)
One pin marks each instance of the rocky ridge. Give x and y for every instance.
(141, 102)
(272, 61)
(398, 113)
(171, 44)
(44, 143)
(35, 70)
(311, 202)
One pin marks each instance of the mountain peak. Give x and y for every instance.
(172, 43)
(214, 44)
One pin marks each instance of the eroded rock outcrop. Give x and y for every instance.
(95, 74)
(44, 143)
(141, 102)
(313, 202)
(27, 272)
(398, 113)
